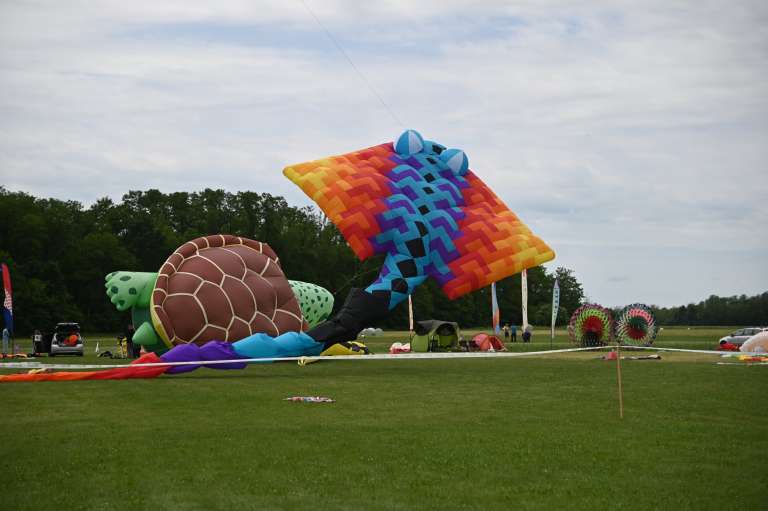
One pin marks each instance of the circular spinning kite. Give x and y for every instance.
(636, 325)
(591, 325)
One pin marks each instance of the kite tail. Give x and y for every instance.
(210, 351)
(120, 373)
(289, 344)
(360, 309)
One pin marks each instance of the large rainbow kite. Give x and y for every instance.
(416, 190)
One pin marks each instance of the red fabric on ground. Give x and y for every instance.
(119, 373)
(485, 342)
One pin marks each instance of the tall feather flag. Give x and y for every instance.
(524, 288)
(495, 309)
(555, 305)
(8, 301)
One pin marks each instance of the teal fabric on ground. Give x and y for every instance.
(290, 344)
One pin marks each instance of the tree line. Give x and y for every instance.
(730, 310)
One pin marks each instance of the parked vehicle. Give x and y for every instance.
(739, 336)
(67, 340)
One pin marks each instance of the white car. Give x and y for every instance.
(739, 336)
(67, 340)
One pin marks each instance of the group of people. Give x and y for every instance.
(512, 331)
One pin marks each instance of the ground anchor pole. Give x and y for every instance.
(618, 378)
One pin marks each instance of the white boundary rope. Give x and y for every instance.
(742, 363)
(704, 352)
(682, 350)
(383, 356)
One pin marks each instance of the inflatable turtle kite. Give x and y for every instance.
(217, 287)
(412, 200)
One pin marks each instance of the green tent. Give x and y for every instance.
(435, 335)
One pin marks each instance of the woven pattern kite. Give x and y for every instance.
(418, 203)
(591, 325)
(636, 325)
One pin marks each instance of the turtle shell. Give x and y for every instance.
(225, 288)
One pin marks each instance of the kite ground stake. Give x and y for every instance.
(618, 378)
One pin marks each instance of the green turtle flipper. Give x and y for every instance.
(145, 333)
(127, 289)
(147, 337)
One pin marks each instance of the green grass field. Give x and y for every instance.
(527, 433)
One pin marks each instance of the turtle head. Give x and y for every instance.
(128, 289)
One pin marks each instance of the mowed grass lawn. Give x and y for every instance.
(527, 433)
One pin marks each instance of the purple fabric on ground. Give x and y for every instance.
(182, 353)
(220, 350)
(213, 350)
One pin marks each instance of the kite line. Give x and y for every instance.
(351, 63)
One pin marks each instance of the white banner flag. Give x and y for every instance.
(524, 286)
(555, 305)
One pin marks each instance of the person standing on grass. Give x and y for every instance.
(129, 331)
(514, 333)
(527, 334)
(506, 332)
(6, 340)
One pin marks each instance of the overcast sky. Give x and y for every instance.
(631, 136)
